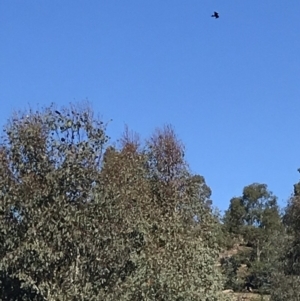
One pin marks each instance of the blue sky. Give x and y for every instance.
(230, 87)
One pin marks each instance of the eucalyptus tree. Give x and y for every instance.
(84, 220)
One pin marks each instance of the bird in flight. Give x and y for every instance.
(215, 15)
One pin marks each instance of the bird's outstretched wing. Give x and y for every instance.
(215, 15)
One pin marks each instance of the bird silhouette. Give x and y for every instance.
(215, 15)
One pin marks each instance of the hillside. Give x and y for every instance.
(242, 273)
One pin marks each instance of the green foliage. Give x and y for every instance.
(260, 275)
(286, 279)
(49, 165)
(234, 216)
(230, 266)
(285, 288)
(223, 236)
(255, 217)
(80, 220)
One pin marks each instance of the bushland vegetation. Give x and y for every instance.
(84, 218)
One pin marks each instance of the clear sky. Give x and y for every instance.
(229, 86)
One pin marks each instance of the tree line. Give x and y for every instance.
(267, 240)
(84, 218)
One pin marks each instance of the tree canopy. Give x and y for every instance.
(82, 219)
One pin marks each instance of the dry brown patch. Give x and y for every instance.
(249, 297)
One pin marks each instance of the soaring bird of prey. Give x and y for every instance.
(215, 15)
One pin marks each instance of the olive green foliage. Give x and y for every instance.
(84, 220)
(255, 217)
(285, 287)
(224, 237)
(286, 280)
(234, 216)
(230, 266)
